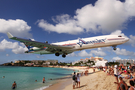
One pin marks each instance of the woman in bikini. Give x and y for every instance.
(132, 87)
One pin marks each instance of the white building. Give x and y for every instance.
(99, 61)
(124, 61)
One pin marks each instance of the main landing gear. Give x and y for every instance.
(57, 54)
(63, 55)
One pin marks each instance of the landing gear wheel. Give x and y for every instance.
(114, 48)
(57, 54)
(63, 55)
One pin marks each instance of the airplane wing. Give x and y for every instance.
(41, 45)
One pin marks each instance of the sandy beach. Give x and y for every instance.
(94, 81)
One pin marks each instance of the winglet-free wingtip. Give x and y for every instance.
(9, 35)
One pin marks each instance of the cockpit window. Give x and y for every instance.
(119, 36)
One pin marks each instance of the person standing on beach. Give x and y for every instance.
(74, 80)
(14, 85)
(78, 79)
(116, 72)
(43, 79)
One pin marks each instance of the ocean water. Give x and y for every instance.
(25, 77)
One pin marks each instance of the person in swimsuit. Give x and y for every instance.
(43, 79)
(78, 79)
(129, 76)
(14, 85)
(132, 87)
(121, 85)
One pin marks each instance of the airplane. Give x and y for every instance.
(66, 47)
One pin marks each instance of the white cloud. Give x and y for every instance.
(118, 32)
(84, 54)
(17, 27)
(72, 54)
(124, 52)
(16, 48)
(19, 50)
(132, 40)
(105, 16)
(64, 26)
(7, 55)
(116, 58)
(98, 52)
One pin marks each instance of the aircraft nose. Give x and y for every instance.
(127, 39)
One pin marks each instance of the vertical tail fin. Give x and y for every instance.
(9, 35)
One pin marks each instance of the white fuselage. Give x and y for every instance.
(94, 42)
(88, 43)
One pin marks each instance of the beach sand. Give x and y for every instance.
(94, 81)
(60, 85)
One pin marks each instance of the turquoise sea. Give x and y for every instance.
(25, 77)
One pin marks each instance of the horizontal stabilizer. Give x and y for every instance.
(9, 35)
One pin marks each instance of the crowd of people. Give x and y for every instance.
(122, 73)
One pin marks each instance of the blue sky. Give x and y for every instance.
(61, 20)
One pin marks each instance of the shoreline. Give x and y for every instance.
(98, 80)
(62, 83)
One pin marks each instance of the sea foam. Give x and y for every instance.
(42, 88)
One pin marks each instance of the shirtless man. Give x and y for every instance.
(43, 79)
(121, 85)
(14, 85)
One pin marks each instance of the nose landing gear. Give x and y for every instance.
(114, 48)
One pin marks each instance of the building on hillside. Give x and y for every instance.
(99, 59)
(100, 63)
(92, 59)
(29, 64)
(52, 61)
(73, 63)
(17, 61)
(124, 61)
(95, 59)
(46, 64)
(38, 61)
